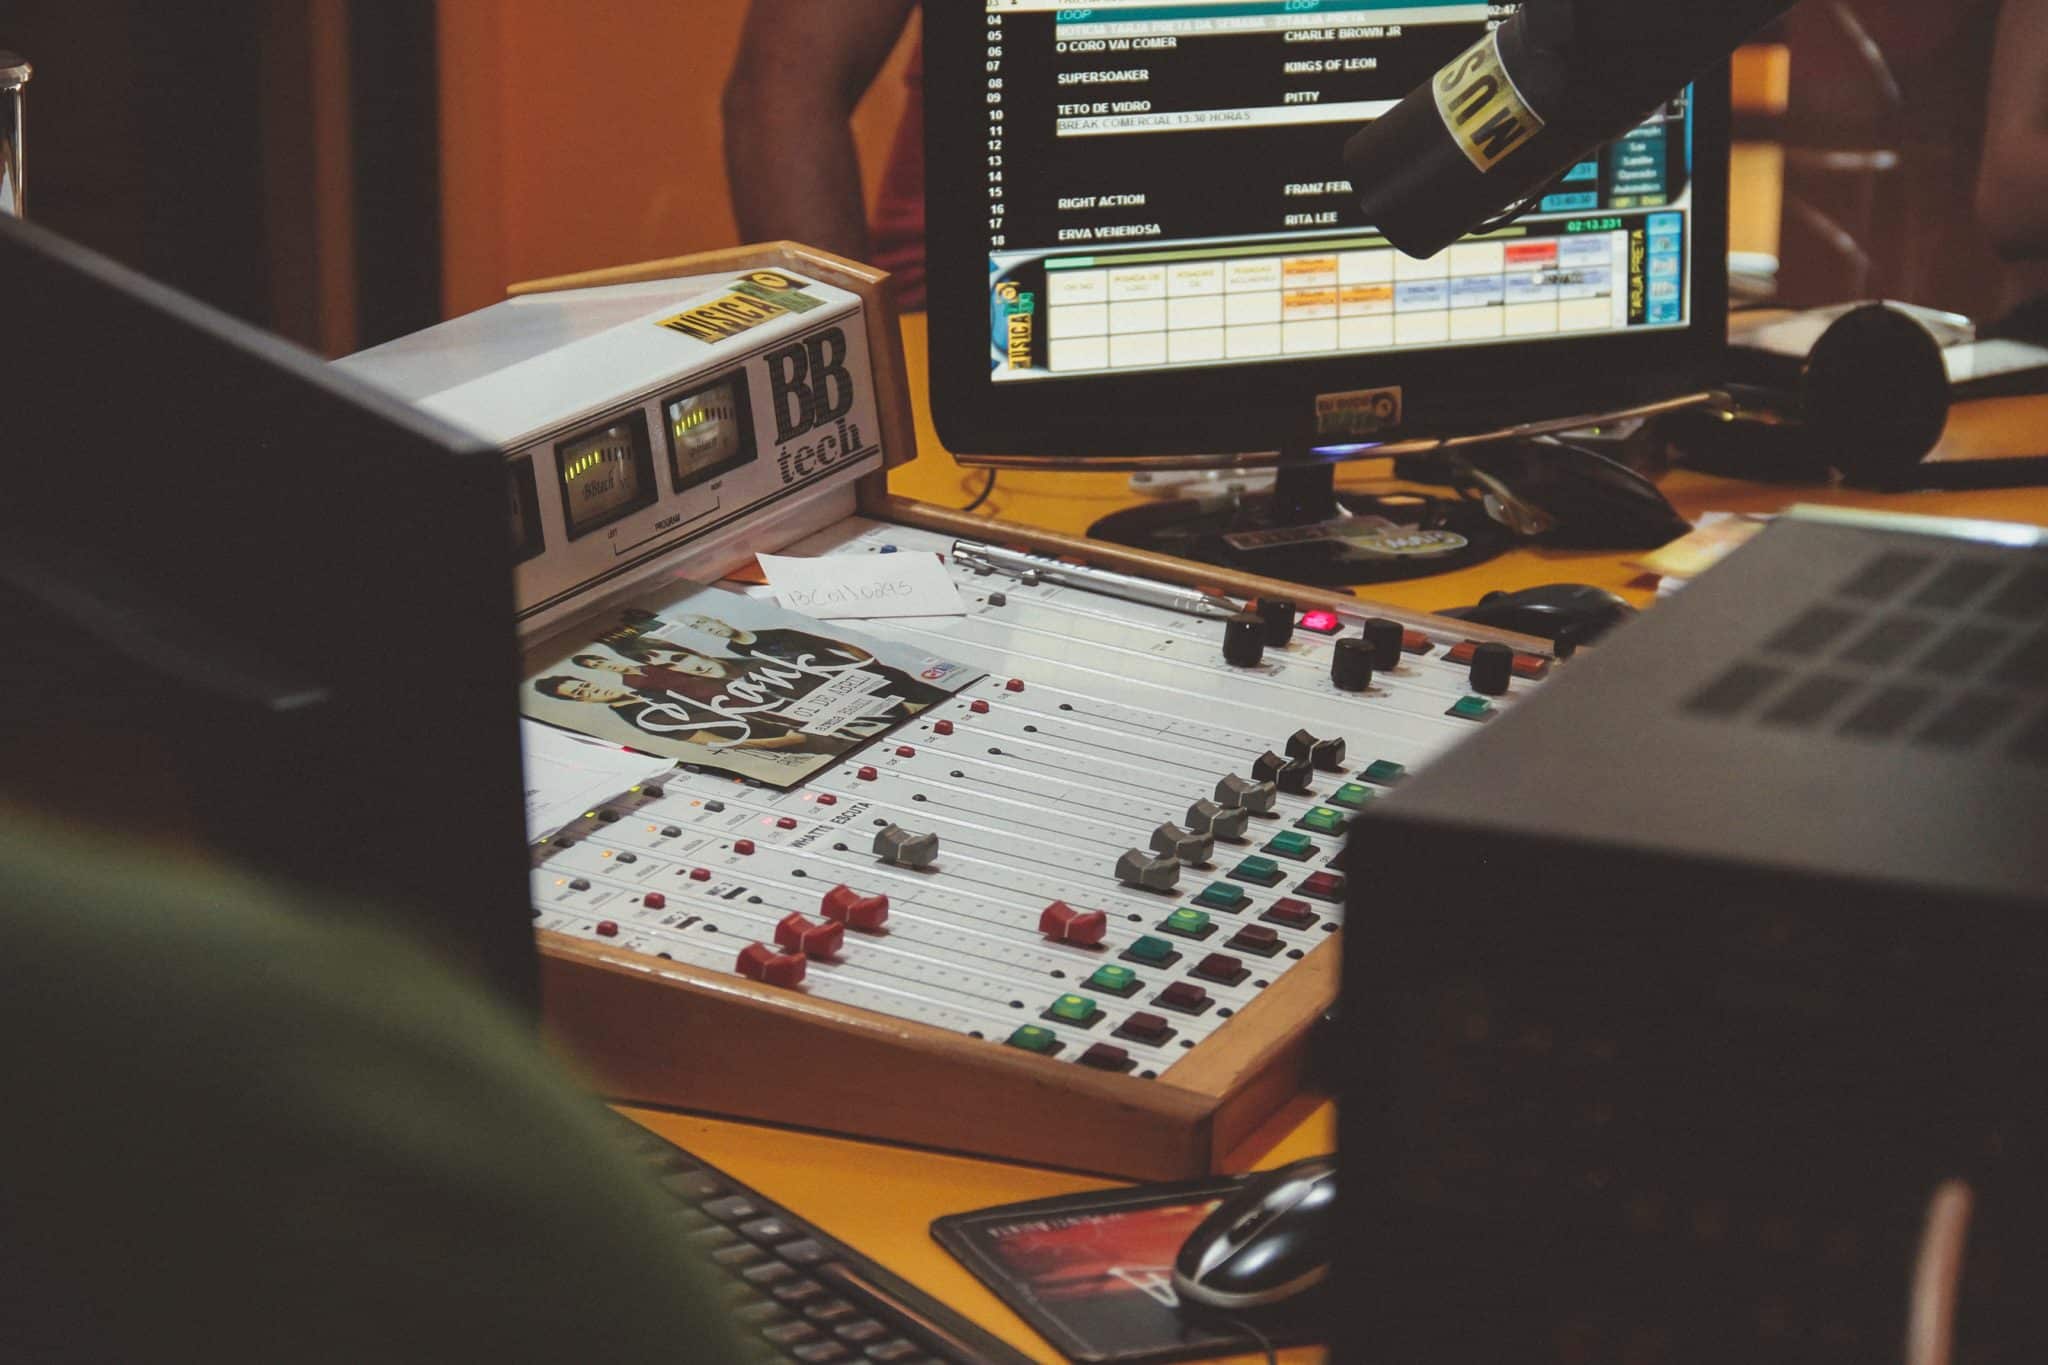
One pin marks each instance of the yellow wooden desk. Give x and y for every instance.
(882, 1199)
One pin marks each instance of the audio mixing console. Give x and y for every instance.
(1100, 853)
(1081, 911)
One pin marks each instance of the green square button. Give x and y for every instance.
(1384, 771)
(1322, 820)
(1471, 708)
(1352, 796)
(1291, 844)
(1150, 949)
(1264, 871)
(1032, 1038)
(1191, 922)
(1222, 896)
(1078, 1009)
(1114, 979)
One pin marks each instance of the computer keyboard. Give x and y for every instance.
(797, 1293)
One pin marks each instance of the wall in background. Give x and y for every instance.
(588, 135)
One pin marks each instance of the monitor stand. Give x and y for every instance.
(1304, 531)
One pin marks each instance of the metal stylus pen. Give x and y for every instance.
(1167, 596)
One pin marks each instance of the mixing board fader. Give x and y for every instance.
(1099, 853)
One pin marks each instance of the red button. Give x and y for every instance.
(1321, 622)
(607, 929)
(1255, 938)
(942, 727)
(1292, 913)
(798, 935)
(866, 774)
(905, 751)
(827, 799)
(786, 822)
(654, 900)
(759, 962)
(1147, 1028)
(1220, 967)
(978, 707)
(855, 911)
(700, 874)
(1461, 654)
(1062, 923)
(1324, 886)
(1014, 685)
(743, 846)
(1183, 995)
(1415, 642)
(1107, 1057)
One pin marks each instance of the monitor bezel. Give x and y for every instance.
(1269, 405)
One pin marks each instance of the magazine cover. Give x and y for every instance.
(738, 684)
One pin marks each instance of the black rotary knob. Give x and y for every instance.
(1351, 665)
(1244, 640)
(1492, 665)
(1278, 614)
(1385, 637)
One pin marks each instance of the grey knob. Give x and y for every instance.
(1288, 774)
(1218, 822)
(1139, 868)
(1327, 754)
(1177, 843)
(894, 844)
(1237, 793)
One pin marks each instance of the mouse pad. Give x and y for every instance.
(1093, 1273)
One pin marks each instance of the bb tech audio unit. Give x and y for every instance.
(1081, 911)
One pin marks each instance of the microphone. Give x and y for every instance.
(1513, 111)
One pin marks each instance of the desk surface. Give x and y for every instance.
(882, 1199)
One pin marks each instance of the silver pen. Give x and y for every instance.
(1168, 596)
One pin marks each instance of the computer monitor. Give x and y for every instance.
(1141, 242)
(288, 593)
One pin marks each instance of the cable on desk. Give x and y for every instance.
(988, 486)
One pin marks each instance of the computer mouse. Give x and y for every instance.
(1566, 614)
(1270, 1241)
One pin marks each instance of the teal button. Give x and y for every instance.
(1352, 796)
(1032, 1038)
(1150, 949)
(1291, 844)
(1261, 870)
(1384, 771)
(1222, 896)
(1471, 708)
(1117, 980)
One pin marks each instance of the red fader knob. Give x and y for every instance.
(855, 911)
(1062, 923)
(795, 934)
(759, 962)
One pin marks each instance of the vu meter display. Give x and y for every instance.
(710, 431)
(605, 474)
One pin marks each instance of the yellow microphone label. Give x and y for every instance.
(1487, 116)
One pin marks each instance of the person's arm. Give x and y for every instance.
(789, 152)
(2012, 185)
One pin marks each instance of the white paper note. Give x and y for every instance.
(847, 587)
(566, 775)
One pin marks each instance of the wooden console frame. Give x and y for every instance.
(657, 1032)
